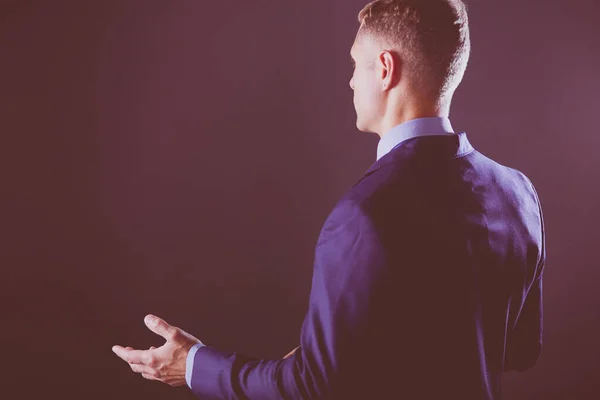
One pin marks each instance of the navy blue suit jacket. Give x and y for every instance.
(427, 284)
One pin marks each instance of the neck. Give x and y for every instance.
(399, 115)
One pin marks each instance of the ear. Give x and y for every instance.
(390, 67)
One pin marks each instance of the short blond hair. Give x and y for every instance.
(431, 37)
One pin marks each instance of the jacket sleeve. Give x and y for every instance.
(348, 268)
(524, 342)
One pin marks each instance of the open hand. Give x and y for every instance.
(166, 363)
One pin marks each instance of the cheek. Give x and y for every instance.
(365, 90)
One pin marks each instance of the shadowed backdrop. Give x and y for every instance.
(179, 157)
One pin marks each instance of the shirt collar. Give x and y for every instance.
(416, 127)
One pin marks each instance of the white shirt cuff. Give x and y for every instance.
(189, 363)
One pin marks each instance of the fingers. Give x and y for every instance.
(134, 356)
(152, 378)
(143, 369)
(291, 352)
(160, 327)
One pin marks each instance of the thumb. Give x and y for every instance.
(159, 326)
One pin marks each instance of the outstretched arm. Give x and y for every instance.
(349, 266)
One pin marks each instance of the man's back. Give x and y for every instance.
(460, 301)
(426, 285)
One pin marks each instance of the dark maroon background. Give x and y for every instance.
(179, 158)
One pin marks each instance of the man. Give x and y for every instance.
(427, 278)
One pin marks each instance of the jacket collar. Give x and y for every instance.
(444, 146)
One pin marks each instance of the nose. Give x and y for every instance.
(351, 83)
